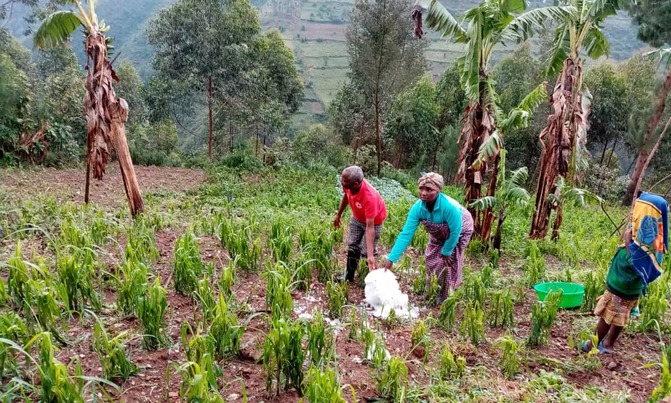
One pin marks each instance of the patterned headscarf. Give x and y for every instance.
(431, 179)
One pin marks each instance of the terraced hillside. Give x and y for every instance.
(315, 30)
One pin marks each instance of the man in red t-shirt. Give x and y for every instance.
(368, 214)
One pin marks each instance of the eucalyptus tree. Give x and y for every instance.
(106, 114)
(480, 29)
(653, 18)
(564, 137)
(383, 57)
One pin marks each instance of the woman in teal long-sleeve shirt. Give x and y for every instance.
(449, 226)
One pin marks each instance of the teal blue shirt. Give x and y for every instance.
(445, 211)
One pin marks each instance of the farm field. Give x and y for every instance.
(222, 291)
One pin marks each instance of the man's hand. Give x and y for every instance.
(336, 221)
(372, 264)
(387, 265)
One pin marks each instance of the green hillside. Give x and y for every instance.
(315, 30)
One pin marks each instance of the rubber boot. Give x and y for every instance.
(352, 264)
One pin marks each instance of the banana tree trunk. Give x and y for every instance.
(559, 217)
(496, 243)
(556, 143)
(639, 168)
(106, 117)
(488, 214)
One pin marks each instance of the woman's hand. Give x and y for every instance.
(387, 264)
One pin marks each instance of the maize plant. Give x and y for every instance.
(225, 331)
(75, 273)
(595, 284)
(663, 390)
(494, 259)
(141, 241)
(19, 276)
(420, 338)
(337, 294)
(302, 274)
(188, 268)
(151, 312)
(487, 276)
(322, 386)
(501, 312)
(355, 327)
(196, 386)
(446, 318)
(419, 282)
(543, 315)
(474, 290)
(71, 235)
(449, 367)
(278, 292)
(280, 240)
(362, 271)
(283, 355)
(509, 362)
(55, 383)
(393, 381)
(200, 349)
(472, 323)
(205, 295)
(375, 349)
(433, 291)
(3, 293)
(534, 265)
(227, 279)
(12, 328)
(112, 353)
(653, 305)
(320, 341)
(131, 285)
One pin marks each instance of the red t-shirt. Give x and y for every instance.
(367, 203)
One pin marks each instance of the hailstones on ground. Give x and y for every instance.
(384, 294)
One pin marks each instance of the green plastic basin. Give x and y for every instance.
(572, 295)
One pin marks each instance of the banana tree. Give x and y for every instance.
(564, 136)
(106, 114)
(510, 192)
(480, 29)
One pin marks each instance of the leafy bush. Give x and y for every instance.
(317, 144)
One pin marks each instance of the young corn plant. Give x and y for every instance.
(196, 386)
(420, 338)
(375, 349)
(188, 268)
(200, 349)
(302, 276)
(474, 290)
(151, 312)
(280, 240)
(321, 385)
(227, 279)
(278, 291)
(19, 277)
(450, 368)
(543, 315)
(75, 274)
(446, 318)
(141, 241)
(534, 265)
(494, 259)
(225, 331)
(509, 361)
(4, 297)
(283, 355)
(433, 291)
(14, 329)
(419, 282)
(361, 273)
(131, 285)
(55, 383)
(472, 324)
(355, 327)
(320, 341)
(595, 284)
(487, 276)
(653, 306)
(337, 294)
(392, 383)
(501, 312)
(205, 295)
(112, 353)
